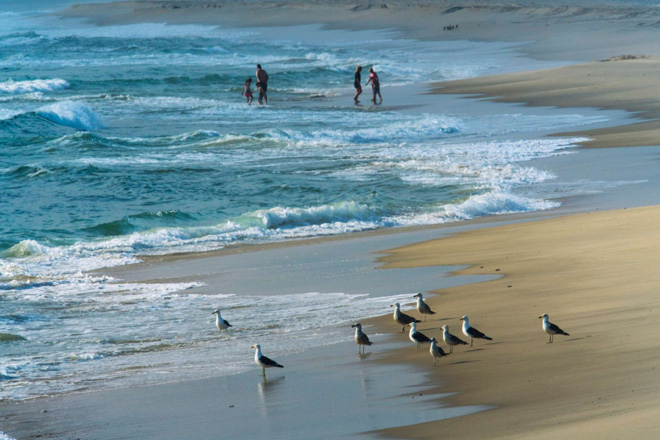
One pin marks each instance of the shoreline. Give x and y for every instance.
(523, 406)
(620, 83)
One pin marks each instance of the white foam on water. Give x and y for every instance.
(121, 334)
(4, 436)
(37, 85)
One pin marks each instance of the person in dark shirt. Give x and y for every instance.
(357, 83)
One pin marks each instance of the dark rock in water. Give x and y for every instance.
(8, 337)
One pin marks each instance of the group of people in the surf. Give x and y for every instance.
(262, 86)
(373, 80)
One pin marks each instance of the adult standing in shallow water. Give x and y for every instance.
(357, 83)
(375, 85)
(262, 84)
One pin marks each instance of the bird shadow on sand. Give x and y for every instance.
(364, 356)
(462, 362)
(446, 319)
(473, 350)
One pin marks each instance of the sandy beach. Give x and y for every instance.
(591, 264)
(593, 274)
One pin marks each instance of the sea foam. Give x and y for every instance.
(37, 85)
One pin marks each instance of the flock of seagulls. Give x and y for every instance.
(416, 337)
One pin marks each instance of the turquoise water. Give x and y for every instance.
(129, 140)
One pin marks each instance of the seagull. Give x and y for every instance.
(222, 324)
(450, 339)
(436, 351)
(402, 318)
(263, 361)
(417, 337)
(422, 307)
(550, 328)
(360, 338)
(472, 332)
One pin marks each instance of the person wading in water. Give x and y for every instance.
(375, 86)
(357, 83)
(262, 84)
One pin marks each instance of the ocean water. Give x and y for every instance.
(124, 141)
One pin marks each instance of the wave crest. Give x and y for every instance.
(281, 217)
(25, 248)
(71, 114)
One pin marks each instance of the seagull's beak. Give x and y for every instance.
(540, 317)
(254, 346)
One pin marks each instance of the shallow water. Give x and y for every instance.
(130, 140)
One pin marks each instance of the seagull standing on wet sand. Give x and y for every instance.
(222, 324)
(436, 351)
(422, 307)
(263, 361)
(450, 339)
(402, 318)
(360, 338)
(472, 332)
(550, 328)
(417, 337)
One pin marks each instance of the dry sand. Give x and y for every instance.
(596, 276)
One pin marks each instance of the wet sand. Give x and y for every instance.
(335, 392)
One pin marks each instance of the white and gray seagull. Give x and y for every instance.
(417, 337)
(422, 307)
(436, 351)
(551, 328)
(222, 324)
(402, 318)
(450, 339)
(360, 337)
(472, 332)
(263, 361)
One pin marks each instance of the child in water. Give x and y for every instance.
(375, 85)
(246, 91)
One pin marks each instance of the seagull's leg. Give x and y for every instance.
(263, 372)
(470, 341)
